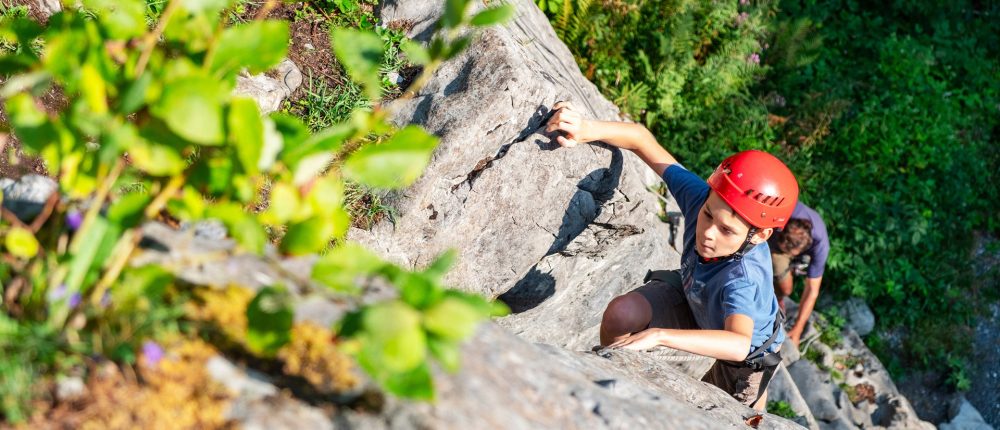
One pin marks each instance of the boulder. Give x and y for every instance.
(964, 416)
(26, 197)
(858, 315)
(272, 88)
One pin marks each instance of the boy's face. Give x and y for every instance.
(720, 231)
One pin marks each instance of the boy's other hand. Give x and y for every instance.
(641, 341)
(570, 122)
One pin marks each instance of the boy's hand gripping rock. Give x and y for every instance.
(570, 122)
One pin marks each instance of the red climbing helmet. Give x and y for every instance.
(758, 186)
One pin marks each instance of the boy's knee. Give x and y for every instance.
(628, 313)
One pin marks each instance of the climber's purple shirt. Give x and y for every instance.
(820, 247)
(717, 290)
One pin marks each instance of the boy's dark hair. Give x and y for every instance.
(795, 237)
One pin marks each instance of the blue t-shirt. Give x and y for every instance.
(717, 290)
(820, 247)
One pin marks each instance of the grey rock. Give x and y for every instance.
(783, 388)
(858, 315)
(556, 233)
(245, 383)
(70, 388)
(26, 196)
(964, 416)
(270, 89)
(47, 8)
(216, 262)
(816, 390)
(507, 382)
(208, 229)
(259, 404)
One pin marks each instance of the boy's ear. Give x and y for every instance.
(762, 235)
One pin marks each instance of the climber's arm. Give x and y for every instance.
(633, 137)
(731, 344)
(806, 305)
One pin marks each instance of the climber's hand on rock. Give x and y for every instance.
(794, 336)
(570, 123)
(643, 340)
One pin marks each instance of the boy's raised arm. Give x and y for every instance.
(633, 137)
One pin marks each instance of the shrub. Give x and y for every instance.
(163, 96)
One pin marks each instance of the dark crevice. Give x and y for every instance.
(537, 120)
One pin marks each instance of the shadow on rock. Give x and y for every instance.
(584, 207)
(533, 289)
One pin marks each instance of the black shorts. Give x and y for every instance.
(670, 306)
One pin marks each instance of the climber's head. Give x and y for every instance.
(795, 238)
(752, 194)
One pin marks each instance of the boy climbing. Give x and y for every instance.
(800, 249)
(721, 302)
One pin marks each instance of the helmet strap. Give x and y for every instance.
(738, 255)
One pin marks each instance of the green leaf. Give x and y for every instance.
(241, 225)
(328, 140)
(394, 336)
(87, 255)
(33, 127)
(454, 13)
(396, 163)
(416, 384)
(128, 210)
(415, 52)
(256, 46)
(155, 159)
(135, 95)
(417, 290)
(308, 236)
(494, 15)
(94, 89)
(124, 19)
(284, 204)
(21, 243)
(141, 284)
(246, 131)
(457, 46)
(440, 266)
(326, 195)
(341, 267)
(447, 353)
(310, 167)
(360, 53)
(269, 321)
(452, 319)
(190, 206)
(192, 108)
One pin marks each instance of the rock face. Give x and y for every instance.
(843, 386)
(555, 233)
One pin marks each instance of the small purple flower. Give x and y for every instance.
(753, 59)
(74, 300)
(153, 352)
(742, 17)
(74, 218)
(56, 293)
(744, 2)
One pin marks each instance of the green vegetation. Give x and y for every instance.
(154, 80)
(887, 112)
(782, 409)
